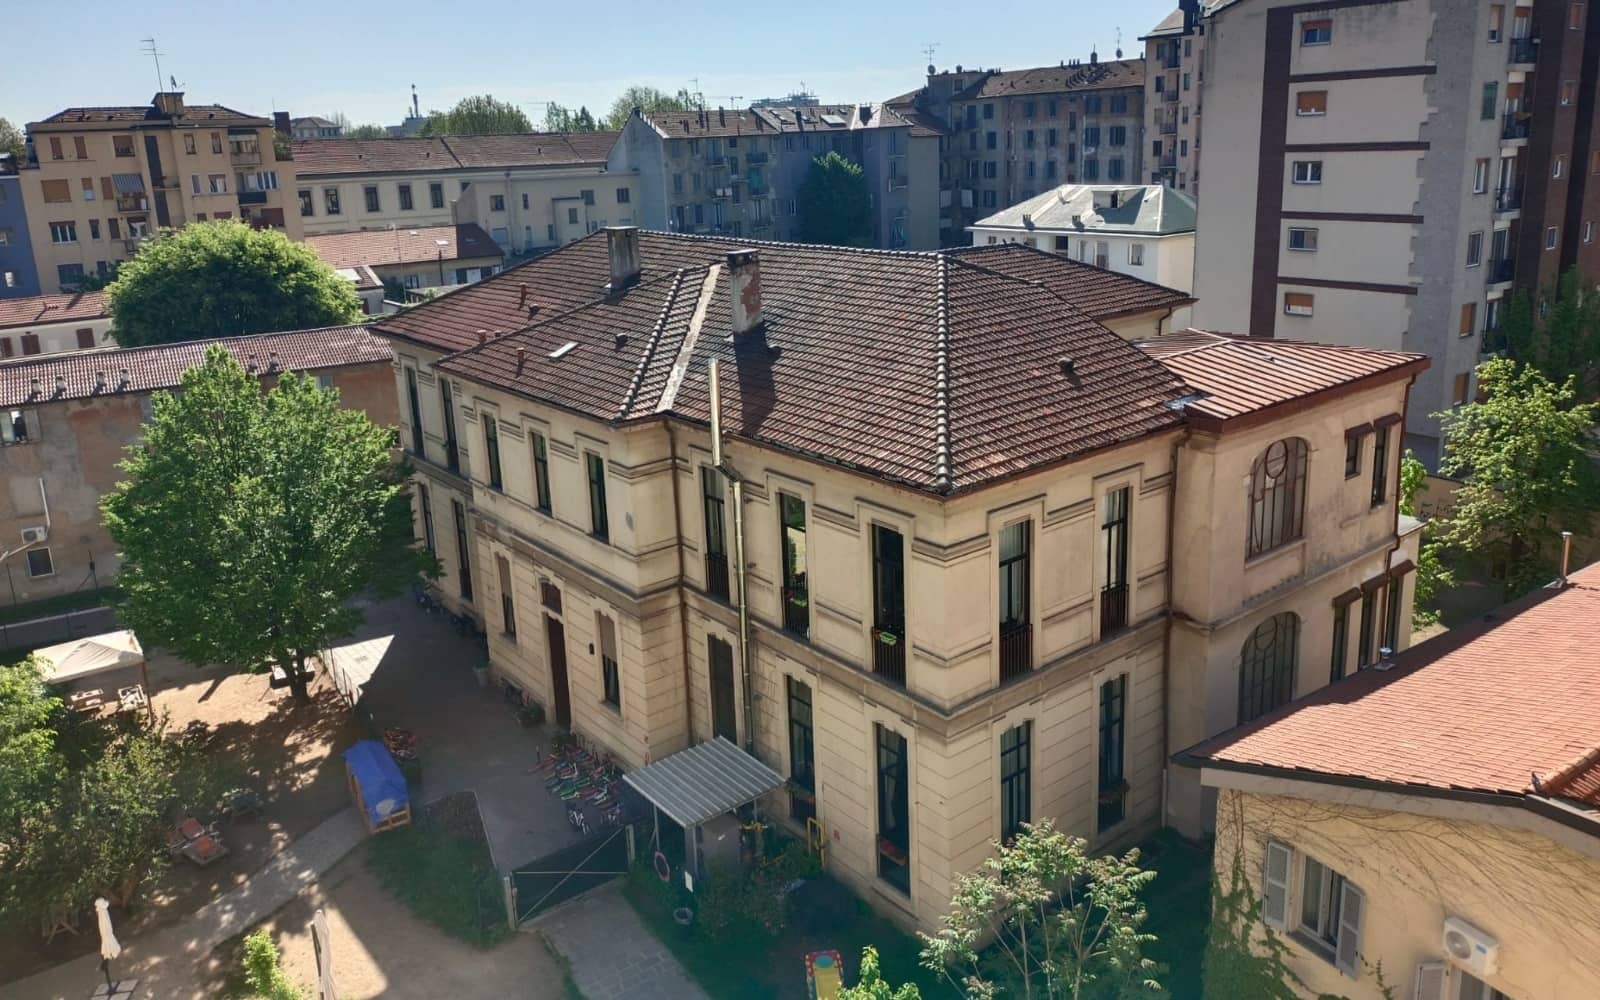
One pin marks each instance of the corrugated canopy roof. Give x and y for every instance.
(703, 782)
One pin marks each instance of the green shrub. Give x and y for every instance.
(263, 977)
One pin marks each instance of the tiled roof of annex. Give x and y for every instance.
(937, 370)
(41, 310)
(379, 247)
(118, 371)
(1504, 705)
(329, 157)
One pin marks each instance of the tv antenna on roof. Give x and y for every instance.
(927, 50)
(149, 49)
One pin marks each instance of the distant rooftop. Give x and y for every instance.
(135, 116)
(325, 157)
(39, 310)
(378, 247)
(1134, 209)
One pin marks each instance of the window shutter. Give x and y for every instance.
(1352, 907)
(1275, 891)
(1430, 982)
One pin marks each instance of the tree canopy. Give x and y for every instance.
(249, 519)
(365, 132)
(12, 140)
(646, 99)
(479, 114)
(1523, 452)
(835, 207)
(224, 279)
(558, 118)
(1565, 341)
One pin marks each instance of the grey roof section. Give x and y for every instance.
(703, 782)
(128, 183)
(1172, 24)
(1144, 210)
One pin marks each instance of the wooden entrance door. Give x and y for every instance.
(558, 671)
(722, 701)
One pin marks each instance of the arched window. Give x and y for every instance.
(1266, 666)
(1277, 495)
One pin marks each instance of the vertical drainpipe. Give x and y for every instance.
(1166, 660)
(683, 601)
(738, 555)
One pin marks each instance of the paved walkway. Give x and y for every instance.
(162, 961)
(613, 955)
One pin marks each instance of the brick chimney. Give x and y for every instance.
(622, 246)
(280, 123)
(744, 282)
(169, 102)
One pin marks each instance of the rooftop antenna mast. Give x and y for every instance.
(928, 50)
(416, 109)
(149, 49)
(1119, 43)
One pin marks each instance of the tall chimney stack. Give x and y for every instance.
(622, 245)
(744, 280)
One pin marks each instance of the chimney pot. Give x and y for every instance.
(522, 356)
(522, 295)
(1068, 367)
(744, 282)
(61, 384)
(483, 335)
(33, 384)
(272, 361)
(622, 246)
(123, 375)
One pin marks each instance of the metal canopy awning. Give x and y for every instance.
(703, 782)
(128, 183)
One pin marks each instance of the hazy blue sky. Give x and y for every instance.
(362, 57)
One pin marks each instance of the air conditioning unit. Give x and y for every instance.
(1471, 948)
(33, 536)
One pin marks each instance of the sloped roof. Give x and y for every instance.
(326, 157)
(1081, 76)
(116, 371)
(1102, 293)
(703, 781)
(1172, 24)
(315, 121)
(1505, 705)
(319, 157)
(846, 117)
(1141, 209)
(39, 310)
(533, 149)
(130, 114)
(710, 123)
(377, 247)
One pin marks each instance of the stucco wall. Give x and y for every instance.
(55, 337)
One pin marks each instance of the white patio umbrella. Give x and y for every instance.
(109, 946)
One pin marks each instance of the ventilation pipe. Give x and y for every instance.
(738, 553)
(1566, 555)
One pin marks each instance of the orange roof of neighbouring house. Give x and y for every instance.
(377, 247)
(39, 310)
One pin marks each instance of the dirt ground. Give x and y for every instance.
(260, 739)
(381, 950)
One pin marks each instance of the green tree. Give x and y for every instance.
(1523, 453)
(249, 519)
(480, 114)
(1565, 342)
(562, 119)
(1063, 924)
(224, 279)
(870, 985)
(835, 207)
(366, 132)
(1432, 576)
(12, 140)
(646, 99)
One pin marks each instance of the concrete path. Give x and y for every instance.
(613, 955)
(162, 961)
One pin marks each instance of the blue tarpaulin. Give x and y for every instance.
(383, 787)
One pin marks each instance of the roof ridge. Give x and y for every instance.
(649, 353)
(942, 459)
(691, 337)
(1077, 310)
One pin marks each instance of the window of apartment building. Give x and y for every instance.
(792, 536)
(1299, 303)
(1028, 138)
(1135, 254)
(588, 196)
(1391, 615)
(1119, 135)
(508, 608)
(1559, 166)
(1302, 239)
(572, 216)
(1380, 465)
(1113, 784)
(1050, 108)
(1308, 171)
(306, 209)
(216, 142)
(63, 232)
(894, 810)
(712, 492)
(1497, 22)
(1552, 237)
(1474, 249)
(888, 604)
(1321, 909)
(1458, 395)
(491, 448)
(1050, 169)
(188, 143)
(1119, 104)
(1311, 102)
(194, 183)
(86, 184)
(1091, 169)
(330, 201)
(1588, 231)
(1341, 641)
(55, 148)
(1365, 637)
(1569, 91)
(1050, 137)
(541, 472)
(414, 405)
(56, 192)
(1184, 114)
(1316, 32)
(80, 147)
(463, 560)
(94, 229)
(1267, 665)
(1352, 453)
(426, 503)
(40, 563)
(14, 423)
(1470, 987)
(436, 195)
(1016, 621)
(1016, 779)
(1480, 176)
(1469, 320)
(599, 522)
(69, 275)
(1161, 85)
(85, 337)
(1028, 108)
(1277, 495)
(991, 140)
(1491, 314)
(988, 111)
(497, 203)
(114, 228)
(1575, 17)
(1490, 101)
(802, 752)
(1114, 540)
(1091, 136)
(406, 204)
(447, 410)
(370, 193)
(624, 196)
(610, 674)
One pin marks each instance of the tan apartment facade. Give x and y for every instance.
(917, 724)
(102, 179)
(1174, 77)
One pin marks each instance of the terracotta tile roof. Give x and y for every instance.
(1058, 79)
(846, 117)
(39, 310)
(326, 157)
(928, 369)
(1101, 293)
(377, 247)
(710, 123)
(1506, 705)
(1247, 375)
(534, 149)
(192, 114)
(162, 366)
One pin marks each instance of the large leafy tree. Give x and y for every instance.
(1432, 575)
(558, 118)
(835, 207)
(1564, 341)
(223, 279)
(1041, 918)
(646, 99)
(1523, 453)
(12, 140)
(870, 984)
(480, 114)
(249, 519)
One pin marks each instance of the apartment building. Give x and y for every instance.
(958, 609)
(707, 171)
(1012, 134)
(101, 179)
(1386, 173)
(1173, 55)
(51, 324)
(65, 420)
(19, 278)
(1438, 818)
(529, 191)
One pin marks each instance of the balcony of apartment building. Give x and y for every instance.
(1170, 56)
(244, 151)
(1502, 272)
(756, 159)
(1522, 53)
(1514, 127)
(1169, 159)
(1168, 124)
(1170, 95)
(1508, 200)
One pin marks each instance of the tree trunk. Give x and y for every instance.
(299, 684)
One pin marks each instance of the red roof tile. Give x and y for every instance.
(1103, 293)
(534, 149)
(1059, 79)
(38, 310)
(710, 122)
(161, 367)
(1506, 705)
(324, 157)
(130, 114)
(377, 247)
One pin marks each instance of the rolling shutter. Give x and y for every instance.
(1352, 911)
(1275, 886)
(1430, 982)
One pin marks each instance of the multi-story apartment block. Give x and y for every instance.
(102, 179)
(19, 278)
(314, 127)
(1013, 134)
(1174, 73)
(1384, 173)
(51, 324)
(65, 420)
(930, 580)
(529, 191)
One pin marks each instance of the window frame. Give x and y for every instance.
(1317, 31)
(1016, 779)
(795, 581)
(891, 757)
(1339, 651)
(1308, 239)
(539, 447)
(1277, 501)
(49, 561)
(801, 727)
(599, 517)
(1111, 755)
(1268, 664)
(610, 670)
(1312, 172)
(1380, 466)
(491, 449)
(714, 526)
(1310, 103)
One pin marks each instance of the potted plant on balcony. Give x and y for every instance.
(888, 638)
